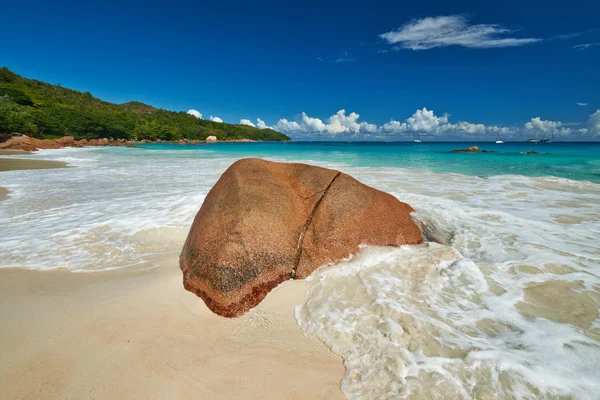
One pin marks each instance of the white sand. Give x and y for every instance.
(128, 334)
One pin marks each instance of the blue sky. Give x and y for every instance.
(487, 66)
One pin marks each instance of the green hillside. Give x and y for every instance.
(46, 111)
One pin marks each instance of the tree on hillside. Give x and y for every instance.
(14, 119)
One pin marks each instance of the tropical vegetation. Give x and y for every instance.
(44, 110)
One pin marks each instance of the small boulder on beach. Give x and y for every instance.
(265, 222)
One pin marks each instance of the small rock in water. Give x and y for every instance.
(472, 149)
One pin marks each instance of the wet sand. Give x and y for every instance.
(13, 152)
(126, 334)
(13, 164)
(4, 193)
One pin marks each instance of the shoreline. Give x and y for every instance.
(8, 152)
(19, 164)
(24, 144)
(133, 333)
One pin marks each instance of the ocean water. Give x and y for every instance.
(506, 305)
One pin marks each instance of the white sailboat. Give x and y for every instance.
(498, 140)
(418, 138)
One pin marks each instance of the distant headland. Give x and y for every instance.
(45, 111)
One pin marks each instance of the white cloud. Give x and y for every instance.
(451, 30)
(553, 127)
(337, 123)
(283, 125)
(247, 122)
(261, 124)
(341, 57)
(594, 122)
(425, 121)
(544, 126)
(567, 36)
(582, 104)
(585, 46)
(215, 119)
(195, 113)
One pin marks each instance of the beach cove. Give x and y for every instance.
(477, 316)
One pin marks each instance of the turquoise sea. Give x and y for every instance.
(579, 161)
(507, 305)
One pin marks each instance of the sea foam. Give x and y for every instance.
(507, 309)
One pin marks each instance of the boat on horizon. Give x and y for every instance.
(498, 140)
(548, 140)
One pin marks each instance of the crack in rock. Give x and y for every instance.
(307, 224)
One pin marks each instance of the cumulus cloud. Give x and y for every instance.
(283, 125)
(247, 122)
(215, 119)
(261, 124)
(337, 123)
(452, 30)
(425, 121)
(195, 113)
(422, 122)
(594, 123)
(552, 127)
(544, 126)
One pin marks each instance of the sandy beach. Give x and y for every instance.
(93, 305)
(137, 334)
(13, 164)
(5, 152)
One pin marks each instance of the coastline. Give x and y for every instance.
(16, 164)
(7, 152)
(136, 333)
(24, 144)
(496, 219)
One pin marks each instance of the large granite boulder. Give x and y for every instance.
(27, 143)
(265, 222)
(211, 139)
(66, 141)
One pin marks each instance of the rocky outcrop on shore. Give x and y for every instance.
(27, 143)
(265, 222)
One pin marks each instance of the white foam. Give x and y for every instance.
(478, 319)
